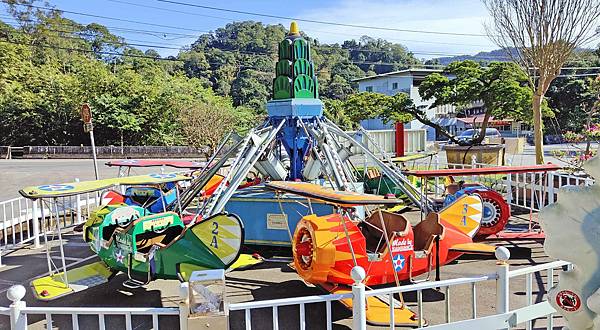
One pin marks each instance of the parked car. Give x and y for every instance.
(548, 139)
(473, 133)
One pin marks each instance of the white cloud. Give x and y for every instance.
(459, 16)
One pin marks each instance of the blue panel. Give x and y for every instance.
(253, 205)
(304, 108)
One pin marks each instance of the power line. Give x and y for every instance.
(112, 18)
(173, 27)
(320, 22)
(319, 31)
(99, 52)
(170, 10)
(118, 28)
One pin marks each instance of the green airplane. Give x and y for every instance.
(145, 246)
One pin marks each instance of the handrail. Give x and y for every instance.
(430, 285)
(288, 301)
(102, 310)
(537, 268)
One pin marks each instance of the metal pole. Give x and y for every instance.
(359, 306)
(35, 223)
(94, 154)
(502, 283)
(18, 320)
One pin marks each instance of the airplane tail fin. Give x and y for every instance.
(465, 214)
(223, 234)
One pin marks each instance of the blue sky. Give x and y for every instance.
(460, 16)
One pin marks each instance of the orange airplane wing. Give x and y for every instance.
(344, 198)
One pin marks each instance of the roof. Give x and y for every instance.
(479, 119)
(405, 72)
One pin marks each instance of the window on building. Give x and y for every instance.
(369, 88)
(394, 85)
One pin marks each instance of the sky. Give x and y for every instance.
(173, 25)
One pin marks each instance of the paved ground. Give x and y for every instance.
(18, 173)
(267, 281)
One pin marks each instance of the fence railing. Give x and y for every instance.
(503, 316)
(24, 221)
(385, 139)
(530, 191)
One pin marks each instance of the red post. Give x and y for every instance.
(399, 139)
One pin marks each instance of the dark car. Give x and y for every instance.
(472, 134)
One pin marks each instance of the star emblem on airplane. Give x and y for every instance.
(398, 262)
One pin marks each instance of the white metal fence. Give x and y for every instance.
(530, 191)
(24, 221)
(385, 139)
(504, 316)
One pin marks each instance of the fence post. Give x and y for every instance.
(502, 283)
(550, 187)
(184, 305)
(18, 321)
(436, 166)
(35, 223)
(359, 308)
(77, 206)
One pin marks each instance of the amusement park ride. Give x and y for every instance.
(148, 231)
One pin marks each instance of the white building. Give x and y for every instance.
(406, 81)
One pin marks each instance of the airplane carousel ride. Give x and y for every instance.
(307, 191)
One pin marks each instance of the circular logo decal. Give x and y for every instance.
(398, 262)
(568, 300)
(163, 176)
(55, 187)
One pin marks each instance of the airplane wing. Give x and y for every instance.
(473, 248)
(157, 162)
(344, 198)
(412, 157)
(484, 170)
(81, 278)
(378, 310)
(75, 188)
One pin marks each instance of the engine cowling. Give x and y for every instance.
(321, 251)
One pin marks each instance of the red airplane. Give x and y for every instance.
(384, 244)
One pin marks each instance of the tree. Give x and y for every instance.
(206, 125)
(544, 34)
(368, 105)
(577, 102)
(501, 86)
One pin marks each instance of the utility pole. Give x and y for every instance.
(88, 127)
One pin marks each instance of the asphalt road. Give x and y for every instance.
(19, 173)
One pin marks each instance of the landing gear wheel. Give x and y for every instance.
(495, 212)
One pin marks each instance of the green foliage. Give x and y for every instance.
(574, 101)
(501, 86)
(368, 105)
(135, 101)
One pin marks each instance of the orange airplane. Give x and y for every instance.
(384, 244)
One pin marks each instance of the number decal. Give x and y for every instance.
(464, 214)
(215, 232)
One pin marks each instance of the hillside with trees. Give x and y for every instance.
(50, 65)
